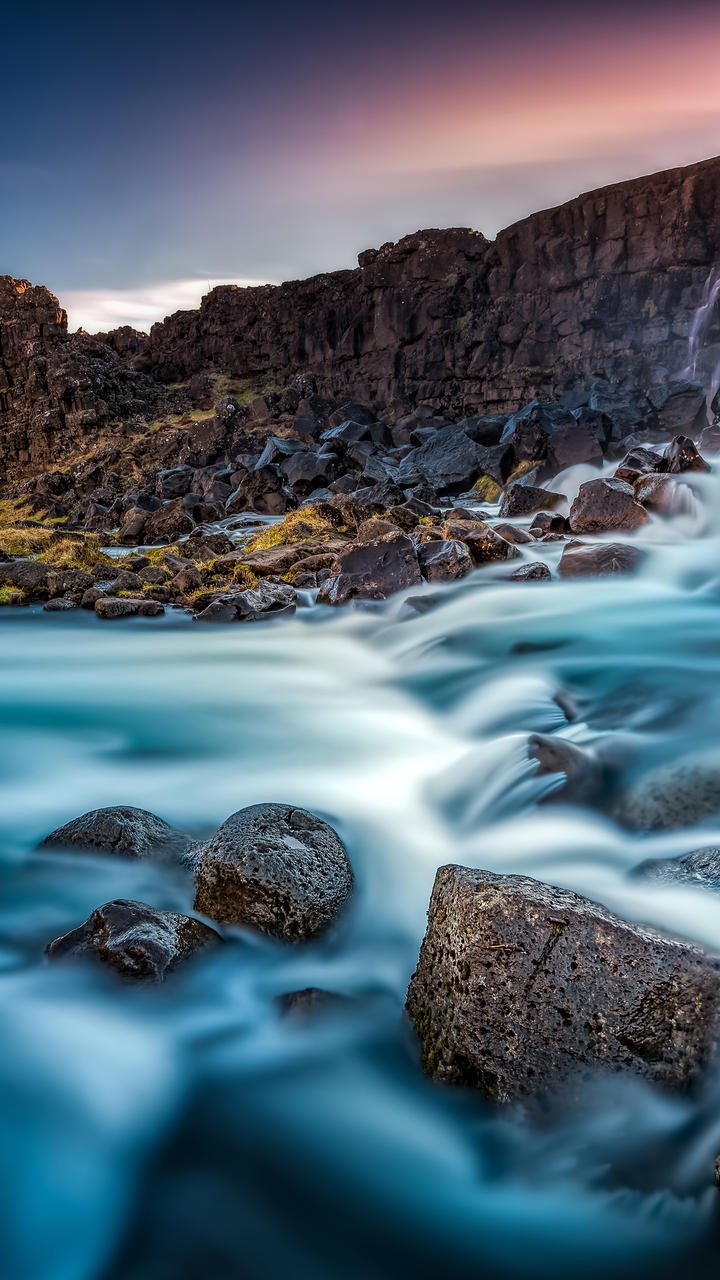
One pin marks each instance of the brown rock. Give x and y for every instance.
(444, 561)
(580, 560)
(483, 543)
(523, 499)
(522, 989)
(603, 506)
(372, 571)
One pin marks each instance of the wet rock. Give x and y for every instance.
(450, 462)
(483, 543)
(702, 867)
(91, 597)
(673, 795)
(168, 523)
(523, 989)
(606, 505)
(523, 499)
(511, 533)
(638, 462)
(72, 583)
(548, 527)
(556, 755)
(136, 940)
(59, 605)
(257, 604)
(303, 1005)
(444, 561)
(29, 576)
(533, 571)
(372, 571)
(113, 607)
(581, 560)
(277, 868)
(174, 483)
(663, 494)
(682, 455)
(121, 829)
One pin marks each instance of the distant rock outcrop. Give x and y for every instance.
(602, 287)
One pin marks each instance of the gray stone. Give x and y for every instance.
(136, 940)
(523, 989)
(277, 868)
(122, 830)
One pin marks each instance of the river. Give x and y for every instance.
(190, 1131)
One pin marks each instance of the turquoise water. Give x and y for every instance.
(188, 1131)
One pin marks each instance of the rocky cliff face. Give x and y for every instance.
(602, 287)
(57, 390)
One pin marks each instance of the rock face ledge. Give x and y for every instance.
(521, 988)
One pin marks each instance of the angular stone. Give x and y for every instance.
(372, 571)
(444, 561)
(533, 571)
(483, 543)
(581, 560)
(606, 505)
(523, 989)
(276, 868)
(136, 940)
(682, 455)
(524, 499)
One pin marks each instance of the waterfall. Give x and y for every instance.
(705, 371)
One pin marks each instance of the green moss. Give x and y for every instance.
(522, 469)
(11, 595)
(487, 489)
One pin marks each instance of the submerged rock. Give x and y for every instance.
(522, 988)
(121, 829)
(135, 939)
(275, 867)
(673, 795)
(702, 867)
(303, 1005)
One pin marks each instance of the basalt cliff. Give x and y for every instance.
(604, 287)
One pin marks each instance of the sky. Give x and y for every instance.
(151, 150)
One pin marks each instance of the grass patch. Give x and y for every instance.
(296, 526)
(11, 595)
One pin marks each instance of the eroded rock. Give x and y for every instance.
(122, 830)
(276, 868)
(522, 989)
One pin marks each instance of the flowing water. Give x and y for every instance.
(190, 1131)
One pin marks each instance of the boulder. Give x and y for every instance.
(122, 830)
(174, 483)
(679, 406)
(137, 941)
(444, 561)
(603, 506)
(372, 571)
(511, 533)
(113, 607)
(30, 576)
(581, 560)
(682, 455)
(483, 543)
(168, 523)
(533, 571)
(450, 462)
(523, 989)
(662, 494)
(276, 868)
(638, 462)
(132, 528)
(257, 604)
(523, 499)
(548, 527)
(60, 605)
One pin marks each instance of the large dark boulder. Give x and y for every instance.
(256, 604)
(524, 499)
(682, 455)
(483, 543)
(581, 560)
(604, 506)
(444, 561)
(121, 830)
(372, 571)
(679, 406)
(450, 462)
(174, 483)
(136, 940)
(277, 868)
(523, 989)
(168, 523)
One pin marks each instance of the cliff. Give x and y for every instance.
(602, 287)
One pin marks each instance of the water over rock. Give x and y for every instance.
(136, 940)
